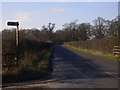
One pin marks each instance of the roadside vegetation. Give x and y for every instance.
(34, 57)
(95, 47)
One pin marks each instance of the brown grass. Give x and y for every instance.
(104, 45)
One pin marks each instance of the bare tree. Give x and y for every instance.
(99, 28)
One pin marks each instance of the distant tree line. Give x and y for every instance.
(72, 31)
(101, 28)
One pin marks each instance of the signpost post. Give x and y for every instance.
(17, 37)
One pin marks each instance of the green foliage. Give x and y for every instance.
(43, 65)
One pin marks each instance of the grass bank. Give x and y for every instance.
(93, 52)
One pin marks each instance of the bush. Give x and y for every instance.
(34, 61)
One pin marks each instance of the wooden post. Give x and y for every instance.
(17, 35)
(17, 45)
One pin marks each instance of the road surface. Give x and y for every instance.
(76, 70)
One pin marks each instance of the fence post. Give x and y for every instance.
(116, 50)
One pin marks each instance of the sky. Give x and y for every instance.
(37, 14)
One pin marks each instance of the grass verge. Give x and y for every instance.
(93, 52)
(41, 70)
(34, 63)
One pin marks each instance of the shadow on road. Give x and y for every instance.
(68, 66)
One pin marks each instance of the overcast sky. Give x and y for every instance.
(36, 14)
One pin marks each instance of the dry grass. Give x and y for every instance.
(34, 60)
(104, 45)
(99, 47)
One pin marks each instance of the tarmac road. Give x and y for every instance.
(77, 70)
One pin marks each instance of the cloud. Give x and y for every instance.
(57, 10)
(22, 17)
